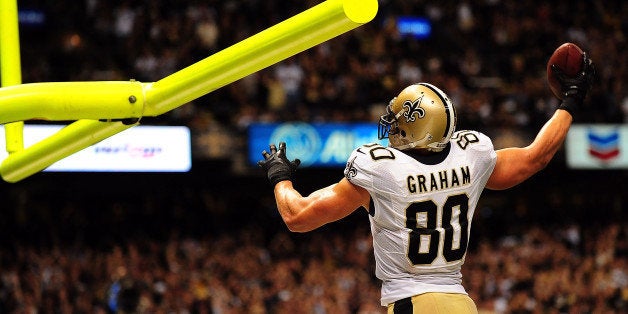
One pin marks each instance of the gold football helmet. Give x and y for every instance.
(421, 116)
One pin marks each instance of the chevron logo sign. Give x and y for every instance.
(602, 146)
(597, 146)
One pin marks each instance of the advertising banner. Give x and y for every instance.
(597, 146)
(138, 149)
(315, 144)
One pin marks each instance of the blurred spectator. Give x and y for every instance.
(243, 272)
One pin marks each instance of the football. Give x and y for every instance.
(568, 58)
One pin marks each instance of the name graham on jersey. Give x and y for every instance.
(440, 180)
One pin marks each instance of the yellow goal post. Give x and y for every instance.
(101, 108)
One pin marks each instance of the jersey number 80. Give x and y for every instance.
(429, 231)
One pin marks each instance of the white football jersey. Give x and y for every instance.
(421, 211)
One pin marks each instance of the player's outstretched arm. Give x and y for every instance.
(514, 165)
(306, 213)
(332, 203)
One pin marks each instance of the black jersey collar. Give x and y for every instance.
(431, 158)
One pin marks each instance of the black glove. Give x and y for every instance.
(277, 166)
(575, 88)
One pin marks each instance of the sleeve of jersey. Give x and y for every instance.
(359, 170)
(484, 155)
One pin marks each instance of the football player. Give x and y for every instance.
(422, 190)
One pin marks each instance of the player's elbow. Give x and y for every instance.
(540, 156)
(534, 165)
(543, 164)
(540, 162)
(533, 160)
(515, 172)
(297, 227)
(296, 224)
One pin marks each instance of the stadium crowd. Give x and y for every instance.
(490, 56)
(566, 270)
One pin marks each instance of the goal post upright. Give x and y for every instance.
(10, 67)
(132, 99)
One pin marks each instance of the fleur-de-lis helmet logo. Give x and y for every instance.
(413, 108)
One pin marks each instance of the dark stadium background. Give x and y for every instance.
(224, 197)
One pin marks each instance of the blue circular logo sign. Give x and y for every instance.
(302, 141)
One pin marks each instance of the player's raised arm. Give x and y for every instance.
(306, 213)
(514, 165)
